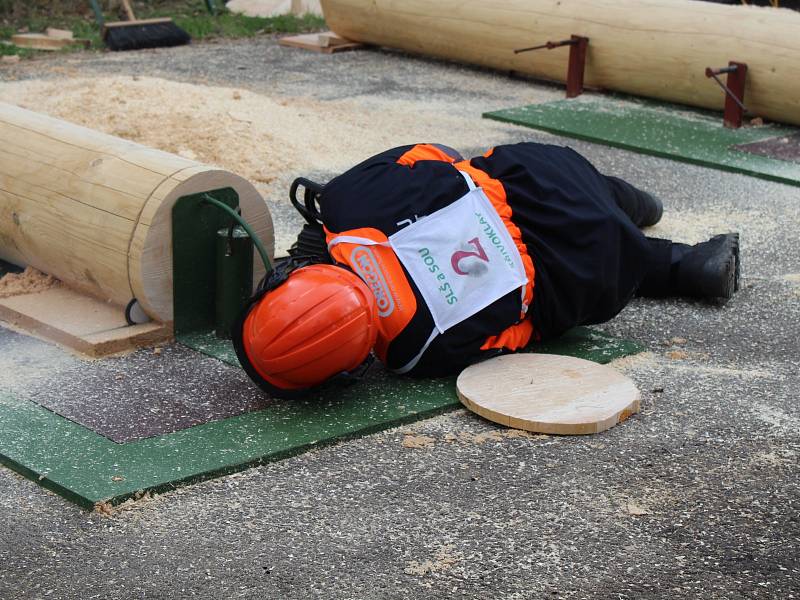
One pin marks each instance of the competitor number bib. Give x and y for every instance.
(461, 258)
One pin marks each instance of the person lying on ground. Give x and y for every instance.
(436, 262)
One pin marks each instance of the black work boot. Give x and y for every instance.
(707, 270)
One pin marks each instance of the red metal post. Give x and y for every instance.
(577, 65)
(734, 113)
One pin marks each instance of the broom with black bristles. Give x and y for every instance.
(138, 34)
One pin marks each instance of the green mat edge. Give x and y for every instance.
(115, 494)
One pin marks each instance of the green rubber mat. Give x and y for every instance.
(665, 130)
(88, 468)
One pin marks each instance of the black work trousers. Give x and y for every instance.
(589, 256)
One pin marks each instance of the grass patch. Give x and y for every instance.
(10, 50)
(230, 25)
(190, 15)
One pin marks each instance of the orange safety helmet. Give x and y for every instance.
(320, 322)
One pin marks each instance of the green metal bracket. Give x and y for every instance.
(234, 269)
(195, 223)
(7, 267)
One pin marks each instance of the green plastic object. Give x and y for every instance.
(234, 276)
(666, 130)
(7, 267)
(195, 223)
(212, 275)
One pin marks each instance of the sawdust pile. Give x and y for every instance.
(253, 135)
(29, 281)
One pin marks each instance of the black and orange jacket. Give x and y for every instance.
(378, 197)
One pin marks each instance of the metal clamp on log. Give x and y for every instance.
(577, 61)
(734, 91)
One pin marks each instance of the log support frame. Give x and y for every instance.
(734, 92)
(734, 111)
(576, 65)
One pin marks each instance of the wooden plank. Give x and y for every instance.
(658, 48)
(40, 41)
(327, 42)
(61, 34)
(548, 393)
(274, 8)
(81, 323)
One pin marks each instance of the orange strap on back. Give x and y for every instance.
(424, 152)
(380, 269)
(519, 334)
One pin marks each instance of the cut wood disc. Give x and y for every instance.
(547, 393)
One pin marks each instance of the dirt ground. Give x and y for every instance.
(697, 496)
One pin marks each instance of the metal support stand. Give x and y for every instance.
(734, 92)
(577, 61)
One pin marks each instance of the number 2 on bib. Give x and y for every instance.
(457, 257)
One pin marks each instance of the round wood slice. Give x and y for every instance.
(547, 393)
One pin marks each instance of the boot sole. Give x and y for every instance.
(738, 273)
(722, 270)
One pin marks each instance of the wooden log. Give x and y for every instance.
(652, 48)
(96, 211)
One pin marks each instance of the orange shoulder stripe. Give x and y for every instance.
(424, 152)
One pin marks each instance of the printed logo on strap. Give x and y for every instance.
(367, 267)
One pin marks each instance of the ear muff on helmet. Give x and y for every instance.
(319, 323)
